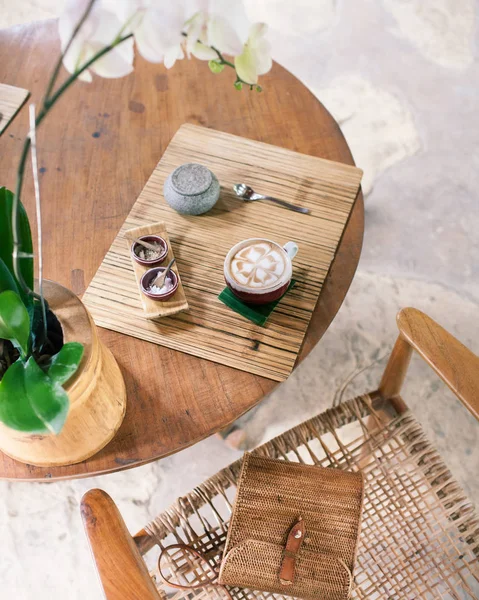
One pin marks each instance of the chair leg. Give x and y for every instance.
(395, 373)
(122, 570)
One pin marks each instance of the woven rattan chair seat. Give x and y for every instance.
(419, 536)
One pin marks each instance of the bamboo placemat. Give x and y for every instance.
(11, 99)
(210, 329)
(154, 308)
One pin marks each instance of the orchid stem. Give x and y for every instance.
(47, 106)
(223, 61)
(56, 70)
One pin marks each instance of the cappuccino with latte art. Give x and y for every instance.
(259, 270)
(258, 265)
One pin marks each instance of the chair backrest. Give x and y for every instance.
(455, 364)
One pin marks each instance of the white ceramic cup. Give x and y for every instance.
(265, 294)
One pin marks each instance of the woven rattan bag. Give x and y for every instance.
(294, 530)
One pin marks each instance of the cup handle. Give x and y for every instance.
(291, 249)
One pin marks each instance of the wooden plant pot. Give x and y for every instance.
(97, 394)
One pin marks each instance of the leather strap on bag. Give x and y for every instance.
(293, 546)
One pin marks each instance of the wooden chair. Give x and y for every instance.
(420, 533)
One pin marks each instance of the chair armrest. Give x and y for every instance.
(455, 364)
(122, 570)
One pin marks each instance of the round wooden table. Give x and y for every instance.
(96, 151)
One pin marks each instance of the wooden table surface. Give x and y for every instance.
(96, 151)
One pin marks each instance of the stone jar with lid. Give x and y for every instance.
(191, 189)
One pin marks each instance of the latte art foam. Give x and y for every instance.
(258, 265)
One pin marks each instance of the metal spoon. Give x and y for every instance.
(249, 195)
(160, 279)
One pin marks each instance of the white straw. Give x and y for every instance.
(36, 185)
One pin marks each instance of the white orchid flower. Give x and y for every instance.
(162, 34)
(158, 35)
(205, 32)
(256, 58)
(101, 29)
(222, 36)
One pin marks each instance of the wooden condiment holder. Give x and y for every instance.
(156, 308)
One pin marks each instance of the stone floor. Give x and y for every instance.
(402, 79)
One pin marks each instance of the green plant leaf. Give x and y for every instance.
(16, 411)
(48, 399)
(238, 85)
(215, 66)
(65, 363)
(14, 321)
(30, 401)
(36, 326)
(7, 280)
(6, 239)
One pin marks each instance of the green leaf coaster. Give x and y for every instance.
(258, 314)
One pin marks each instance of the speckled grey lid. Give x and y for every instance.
(191, 179)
